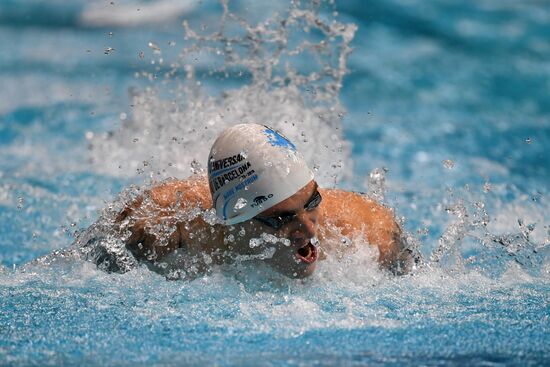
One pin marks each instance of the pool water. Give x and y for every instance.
(438, 109)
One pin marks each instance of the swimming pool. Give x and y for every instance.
(443, 113)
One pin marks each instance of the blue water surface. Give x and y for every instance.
(451, 99)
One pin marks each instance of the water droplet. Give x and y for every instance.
(449, 164)
(108, 50)
(376, 184)
(528, 140)
(196, 167)
(269, 238)
(487, 187)
(153, 46)
(122, 116)
(254, 242)
(423, 231)
(241, 203)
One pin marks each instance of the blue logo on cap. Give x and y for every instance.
(278, 140)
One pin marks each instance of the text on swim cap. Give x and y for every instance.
(219, 179)
(225, 162)
(259, 200)
(241, 185)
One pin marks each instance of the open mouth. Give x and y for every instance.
(307, 253)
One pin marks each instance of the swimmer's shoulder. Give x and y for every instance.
(192, 191)
(348, 201)
(168, 195)
(354, 214)
(352, 211)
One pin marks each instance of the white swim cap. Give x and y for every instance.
(252, 168)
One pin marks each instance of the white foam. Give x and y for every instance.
(166, 140)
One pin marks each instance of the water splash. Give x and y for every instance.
(287, 72)
(453, 235)
(376, 184)
(470, 241)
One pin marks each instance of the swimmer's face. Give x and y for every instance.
(294, 221)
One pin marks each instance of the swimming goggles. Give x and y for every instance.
(277, 222)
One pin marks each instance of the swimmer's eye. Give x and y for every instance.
(277, 222)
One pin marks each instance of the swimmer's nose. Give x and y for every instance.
(308, 223)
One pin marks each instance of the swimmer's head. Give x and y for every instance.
(251, 168)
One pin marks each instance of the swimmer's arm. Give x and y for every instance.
(397, 256)
(382, 230)
(353, 214)
(157, 219)
(145, 240)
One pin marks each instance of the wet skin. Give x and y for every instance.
(296, 257)
(340, 213)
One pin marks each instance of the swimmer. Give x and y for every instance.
(268, 206)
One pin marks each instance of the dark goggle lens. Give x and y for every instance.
(273, 222)
(279, 222)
